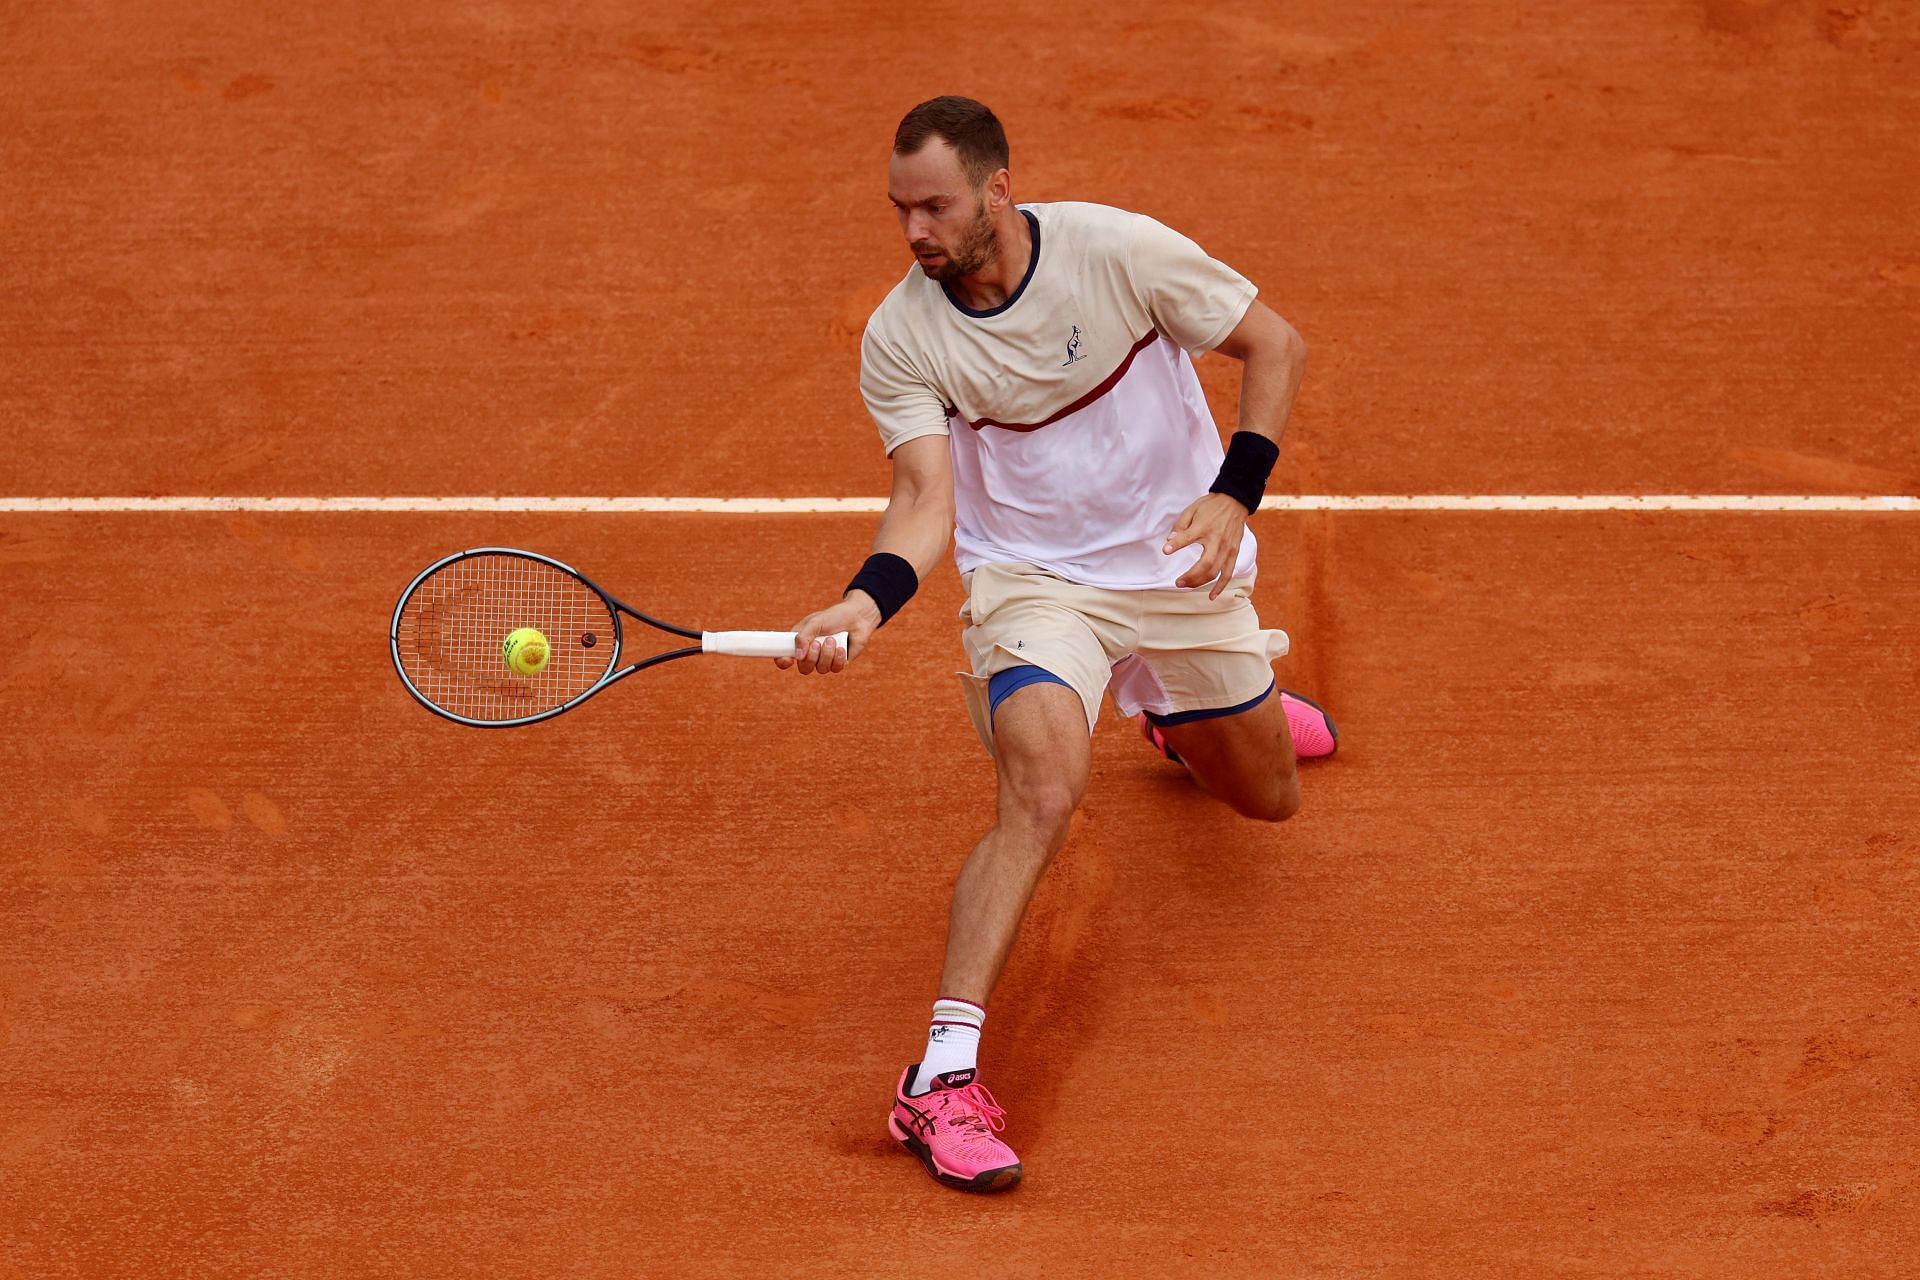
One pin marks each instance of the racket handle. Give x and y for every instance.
(755, 644)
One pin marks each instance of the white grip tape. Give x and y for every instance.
(755, 644)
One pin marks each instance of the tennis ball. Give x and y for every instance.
(526, 651)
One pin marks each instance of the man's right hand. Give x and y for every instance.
(814, 648)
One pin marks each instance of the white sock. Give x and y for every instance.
(953, 1042)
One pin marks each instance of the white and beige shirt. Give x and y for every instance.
(1079, 431)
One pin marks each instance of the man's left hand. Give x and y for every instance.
(1216, 522)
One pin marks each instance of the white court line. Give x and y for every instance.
(806, 506)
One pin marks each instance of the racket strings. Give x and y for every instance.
(456, 620)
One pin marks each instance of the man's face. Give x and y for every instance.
(946, 221)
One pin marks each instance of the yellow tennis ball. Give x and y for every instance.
(526, 651)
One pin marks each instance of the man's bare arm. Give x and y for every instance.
(1276, 360)
(918, 523)
(917, 526)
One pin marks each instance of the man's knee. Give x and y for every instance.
(1274, 803)
(1043, 755)
(1044, 805)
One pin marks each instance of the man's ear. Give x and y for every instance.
(1000, 188)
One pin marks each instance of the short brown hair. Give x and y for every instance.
(967, 126)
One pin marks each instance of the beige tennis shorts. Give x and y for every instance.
(1164, 651)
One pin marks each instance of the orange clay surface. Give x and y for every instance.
(1591, 954)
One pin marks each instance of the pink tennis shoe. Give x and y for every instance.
(1314, 736)
(952, 1130)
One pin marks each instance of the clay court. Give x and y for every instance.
(1592, 952)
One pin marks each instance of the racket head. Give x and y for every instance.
(452, 619)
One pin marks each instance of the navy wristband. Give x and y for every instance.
(1243, 476)
(889, 579)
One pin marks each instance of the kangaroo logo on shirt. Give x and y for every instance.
(1074, 354)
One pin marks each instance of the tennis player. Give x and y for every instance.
(1033, 385)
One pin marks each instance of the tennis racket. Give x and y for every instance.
(452, 620)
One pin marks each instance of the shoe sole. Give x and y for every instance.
(1149, 730)
(1002, 1179)
(1333, 730)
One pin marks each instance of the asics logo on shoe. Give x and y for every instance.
(919, 1121)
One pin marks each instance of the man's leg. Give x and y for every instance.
(945, 1116)
(1043, 756)
(1246, 759)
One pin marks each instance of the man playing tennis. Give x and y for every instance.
(1033, 386)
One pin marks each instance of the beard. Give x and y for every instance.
(976, 250)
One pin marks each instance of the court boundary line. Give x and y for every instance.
(1778, 503)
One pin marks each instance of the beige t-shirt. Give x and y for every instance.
(1078, 428)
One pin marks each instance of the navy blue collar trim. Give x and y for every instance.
(1033, 261)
